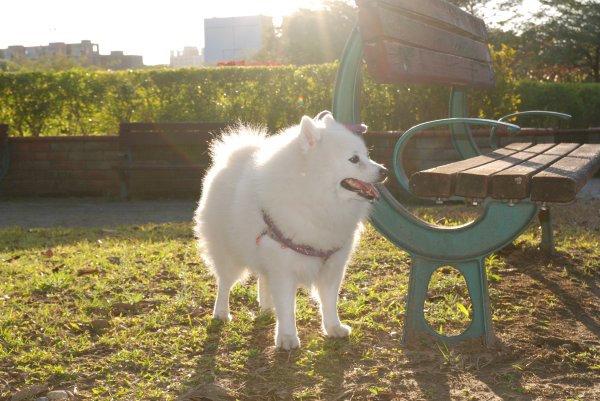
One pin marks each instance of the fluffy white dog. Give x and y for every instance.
(287, 208)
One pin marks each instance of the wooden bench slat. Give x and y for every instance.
(515, 182)
(163, 139)
(562, 180)
(160, 166)
(159, 134)
(440, 181)
(187, 126)
(476, 182)
(377, 24)
(390, 62)
(443, 13)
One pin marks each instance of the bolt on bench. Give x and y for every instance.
(164, 159)
(433, 42)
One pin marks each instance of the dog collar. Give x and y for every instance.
(275, 233)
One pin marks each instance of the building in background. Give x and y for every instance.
(86, 51)
(189, 57)
(234, 39)
(117, 60)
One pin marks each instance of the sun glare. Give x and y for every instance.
(152, 31)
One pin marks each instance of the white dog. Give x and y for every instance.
(288, 208)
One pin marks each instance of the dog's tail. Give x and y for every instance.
(238, 142)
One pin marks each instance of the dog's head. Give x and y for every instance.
(339, 156)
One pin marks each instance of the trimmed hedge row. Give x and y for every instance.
(80, 102)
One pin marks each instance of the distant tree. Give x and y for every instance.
(311, 36)
(474, 7)
(560, 43)
(57, 62)
(571, 37)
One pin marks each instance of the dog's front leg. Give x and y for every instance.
(328, 286)
(264, 294)
(283, 293)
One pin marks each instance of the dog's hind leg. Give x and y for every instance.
(227, 275)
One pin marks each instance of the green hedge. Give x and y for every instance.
(582, 101)
(80, 102)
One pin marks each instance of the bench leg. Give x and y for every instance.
(547, 244)
(475, 277)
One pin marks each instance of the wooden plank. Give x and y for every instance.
(381, 24)
(160, 134)
(377, 24)
(161, 166)
(439, 11)
(440, 181)
(562, 180)
(476, 182)
(141, 139)
(392, 62)
(169, 127)
(515, 182)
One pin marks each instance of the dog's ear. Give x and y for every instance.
(309, 133)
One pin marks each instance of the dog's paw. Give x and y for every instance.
(267, 310)
(341, 330)
(287, 341)
(223, 316)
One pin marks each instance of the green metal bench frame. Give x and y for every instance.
(432, 247)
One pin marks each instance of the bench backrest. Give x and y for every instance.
(180, 133)
(424, 41)
(177, 142)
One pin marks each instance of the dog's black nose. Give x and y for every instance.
(383, 173)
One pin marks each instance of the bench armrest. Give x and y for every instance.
(494, 138)
(399, 172)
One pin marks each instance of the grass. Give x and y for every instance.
(125, 314)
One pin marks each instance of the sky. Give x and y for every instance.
(151, 28)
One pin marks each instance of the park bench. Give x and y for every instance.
(434, 42)
(164, 159)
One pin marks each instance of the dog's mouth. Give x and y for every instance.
(361, 188)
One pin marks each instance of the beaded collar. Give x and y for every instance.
(275, 233)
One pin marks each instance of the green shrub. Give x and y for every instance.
(581, 100)
(80, 102)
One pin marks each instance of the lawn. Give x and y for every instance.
(125, 314)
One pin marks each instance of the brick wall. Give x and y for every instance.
(62, 166)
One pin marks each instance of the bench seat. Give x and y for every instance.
(543, 173)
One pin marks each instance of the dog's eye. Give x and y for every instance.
(354, 159)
